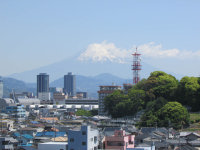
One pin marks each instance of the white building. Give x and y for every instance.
(53, 146)
(45, 96)
(83, 139)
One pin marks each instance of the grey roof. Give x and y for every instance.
(186, 147)
(143, 145)
(194, 143)
(28, 101)
(109, 131)
(176, 141)
(8, 100)
(188, 133)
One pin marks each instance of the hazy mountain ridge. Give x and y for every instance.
(88, 84)
(91, 84)
(11, 84)
(85, 68)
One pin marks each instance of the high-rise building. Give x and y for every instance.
(70, 84)
(105, 91)
(1, 87)
(43, 86)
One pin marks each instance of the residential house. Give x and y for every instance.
(24, 139)
(85, 138)
(120, 140)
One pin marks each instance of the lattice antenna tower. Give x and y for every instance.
(136, 67)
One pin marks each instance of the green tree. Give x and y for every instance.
(82, 112)
(123, 109)
(161, 84)
(118, 104)
(173, 113)
(149, 118)
(112, 100)
(188, 92)
(137, 97)
(94, 112)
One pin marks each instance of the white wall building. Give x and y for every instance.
(45, 96)
(83, 139)
(52, 146)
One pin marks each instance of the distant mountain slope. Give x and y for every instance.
(83, 83)
(17, 86)
(86, 68)
(91, 84)
(88, 84)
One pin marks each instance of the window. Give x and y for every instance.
(71, 139)
(83, 133)
(61, 149)
(115, 143)
(5, 142)
(83, 143)
(95, 139)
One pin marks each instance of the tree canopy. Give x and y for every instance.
(118, 104)
(172, 114)
(188, 92)
(157, 95)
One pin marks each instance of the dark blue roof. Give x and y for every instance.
(16, 134)
(27, 136)
(34, 122)
(50, 134)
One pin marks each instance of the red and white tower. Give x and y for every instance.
(136, 67)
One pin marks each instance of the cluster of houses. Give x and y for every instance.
(45, 128)
(56, 127)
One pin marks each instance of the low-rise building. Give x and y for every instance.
(44, 96)
(119, 140)
(53, 146)
(6, 124)
(83, 139)
(59, 98)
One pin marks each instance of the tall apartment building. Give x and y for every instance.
(103, 92)
(84, 139)
(43, 86)
(1, 87)
(70, 84)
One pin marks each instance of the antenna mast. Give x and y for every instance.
(136, 67)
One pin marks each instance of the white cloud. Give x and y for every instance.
(157, 51)
(152, 50)
(99, 52)
(103, 52)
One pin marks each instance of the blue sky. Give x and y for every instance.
(37, 33)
